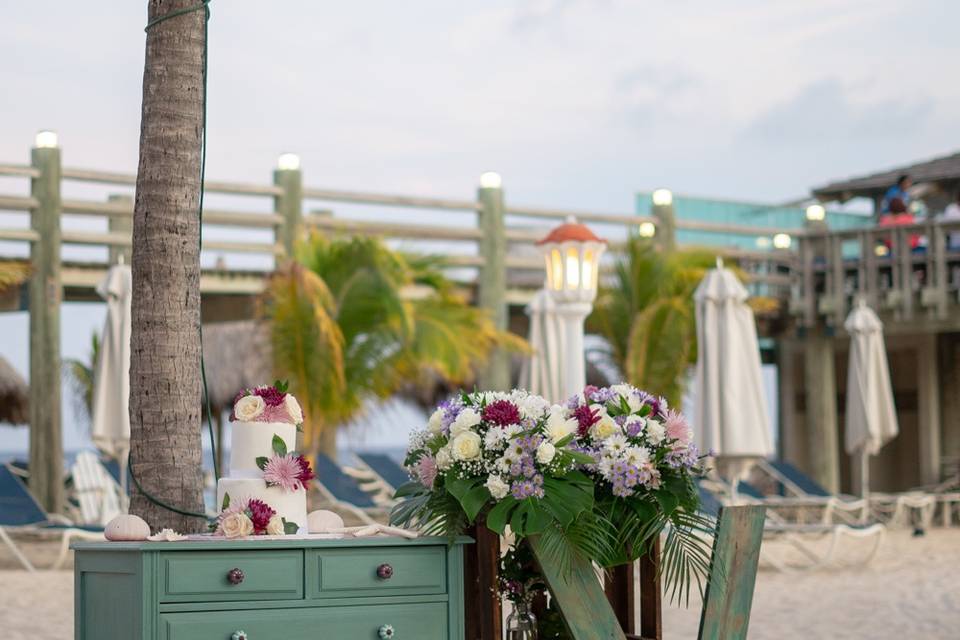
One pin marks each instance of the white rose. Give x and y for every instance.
(605, 428)
(466, 419)
(444, 458)
(466, 446)
(293, 408)
(275, 526)
(497, 487)
(248, 408)
(655, 432)
(634, 402)
(545, 453)
(496, 438)
(559, 426)
(236, 525)
(435, 424)
(622, 389)
(533, 406)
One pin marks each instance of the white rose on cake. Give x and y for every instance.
(293, 408)
(497, 487)
(466, 420)
(466, 446)
(275, 526)
(249, 408)
(236, 525)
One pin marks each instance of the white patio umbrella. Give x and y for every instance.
(111, 393)
(871, 419)
(731, 409)
(540, 373)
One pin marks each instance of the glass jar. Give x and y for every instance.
(521, 623)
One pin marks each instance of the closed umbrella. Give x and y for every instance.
(731, 409)
(541, 370)
(871, 419)
(111, 393)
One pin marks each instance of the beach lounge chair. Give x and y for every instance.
(343, 491)
(95, 490)
(794, 534)
(380, 476)
(895, 509)
(20, 512)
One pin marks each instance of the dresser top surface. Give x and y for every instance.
(217, 543)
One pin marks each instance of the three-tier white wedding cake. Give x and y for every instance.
(264, 492)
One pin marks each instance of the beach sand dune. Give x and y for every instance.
(911, 591)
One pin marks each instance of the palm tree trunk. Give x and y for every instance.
(165, 338)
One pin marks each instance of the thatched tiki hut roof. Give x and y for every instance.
(14, 395)
(236, 355)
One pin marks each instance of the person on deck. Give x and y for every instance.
(952, 212)
(898, 190)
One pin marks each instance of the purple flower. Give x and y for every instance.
(260, 515)
(586, 418)
(272, 396)
(634, 428)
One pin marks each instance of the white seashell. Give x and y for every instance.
(322, 521)
(126, 527)
(166, 535)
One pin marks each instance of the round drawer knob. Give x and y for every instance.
(235, 576)
(385, 632)
(239, 635)
(385, 572)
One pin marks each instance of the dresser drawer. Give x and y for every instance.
(413, 570)
(200, 576)
(426, 621)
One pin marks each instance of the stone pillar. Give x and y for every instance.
(122, 224)
(792, 444)
(823, 440)
(928, 408)
(45, 293)
(950, 395)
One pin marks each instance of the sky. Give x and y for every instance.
(578, 104)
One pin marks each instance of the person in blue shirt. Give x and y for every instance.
(898, 190)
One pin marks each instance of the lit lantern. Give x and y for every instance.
(572, 260)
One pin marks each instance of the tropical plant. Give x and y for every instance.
(352, 319)
(80, 374)
(646, 315)
(13, 273)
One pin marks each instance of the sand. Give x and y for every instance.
(911, 591)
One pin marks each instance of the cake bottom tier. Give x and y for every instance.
(289, 505)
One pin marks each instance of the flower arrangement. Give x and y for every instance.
(289, 471)
(601, 476)
(267, 404)
(250, 517)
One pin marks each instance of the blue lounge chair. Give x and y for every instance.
(20, 512)
(342, 490)
(389, 472)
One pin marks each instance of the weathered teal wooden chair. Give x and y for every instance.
(727, 600)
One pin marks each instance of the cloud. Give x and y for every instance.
(826, 110)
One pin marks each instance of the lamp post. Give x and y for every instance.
(571, 255)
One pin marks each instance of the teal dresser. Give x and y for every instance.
(350, 589)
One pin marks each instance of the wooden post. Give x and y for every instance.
(120, 223)
(928, 408)
(484, 618)
(651, 613)
(492, 294)
(950, 394)
(622, 595)
(45, 293)
(289, 205)
(665, 214)
(821, 412)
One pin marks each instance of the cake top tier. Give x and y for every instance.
(267, 404)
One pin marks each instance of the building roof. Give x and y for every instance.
(944, 171)
(14, 395)
(571, 231)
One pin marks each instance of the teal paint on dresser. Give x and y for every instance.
(290, 589)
